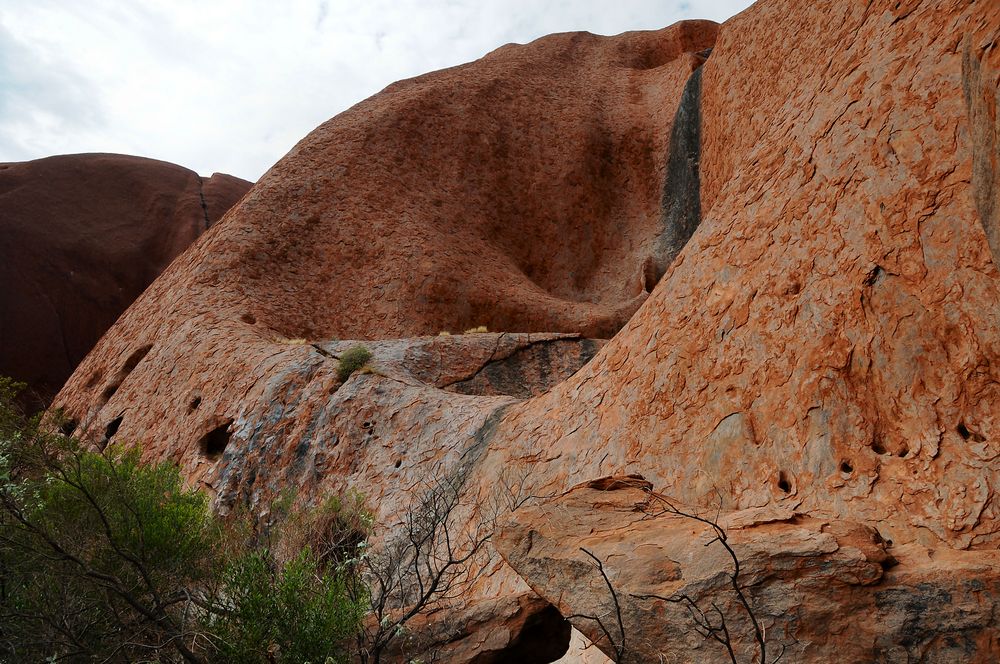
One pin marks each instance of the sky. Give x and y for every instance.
(231, 85)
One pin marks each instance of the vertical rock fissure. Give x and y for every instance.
(204, 204)
(680, 203)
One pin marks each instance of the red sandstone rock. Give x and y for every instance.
(829, 337)
(521, 628)
(81, 236)
(826, 343)
(533, 211)
(822, 590)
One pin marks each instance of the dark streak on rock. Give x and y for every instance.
(508, 375)
(680, 204)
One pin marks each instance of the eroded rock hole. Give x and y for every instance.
(133, 360)
(94, 379)
(877, 446)
(399, 462)
(543, 638)
(903, 451)
(213, 444)
(248, 318)
(783, 482)
(194, 403)
(968, 434)
(130, 363)
(874, 276)
(649, 276)
(846, 467)
(68, 427)
(112, 428)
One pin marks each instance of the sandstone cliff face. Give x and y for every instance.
(81, 236)
(823, 346)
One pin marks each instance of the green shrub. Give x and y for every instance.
(104, 558)
(351, 360)
(97, 551)
(291, 612)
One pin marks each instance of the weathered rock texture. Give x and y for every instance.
(81, 236)
(828, 339)
(521, 628)
(823, 590)
(825, 343)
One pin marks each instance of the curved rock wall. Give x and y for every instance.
(81, 236)
(828, 338)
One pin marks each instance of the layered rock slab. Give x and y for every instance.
(81, 236)
(822, 590)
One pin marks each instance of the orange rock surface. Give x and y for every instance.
(823, 590)
(828, 339)
(826, 344)
(81, 236)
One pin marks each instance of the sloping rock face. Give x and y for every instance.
(828, 337)
(825, 589)
(81, 236)
(824, 345)
(424, 208)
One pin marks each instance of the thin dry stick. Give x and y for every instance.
(620, 646)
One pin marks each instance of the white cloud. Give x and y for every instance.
(231, 85)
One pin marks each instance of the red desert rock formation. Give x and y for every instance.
(832, 583)
(826, 345)
(81, 236)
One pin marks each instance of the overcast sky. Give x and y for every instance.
(232, 85)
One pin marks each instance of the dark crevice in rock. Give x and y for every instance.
(680, 204)
(213, 444)
(875, 276)
(982, 101)
(204, 204)
(528, 371)
(110, 430)
(324, 352)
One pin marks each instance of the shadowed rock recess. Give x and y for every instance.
(787, 250)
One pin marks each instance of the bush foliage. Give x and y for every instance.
(104, 558)
(351, 360)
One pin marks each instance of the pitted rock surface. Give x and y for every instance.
(829, 337)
